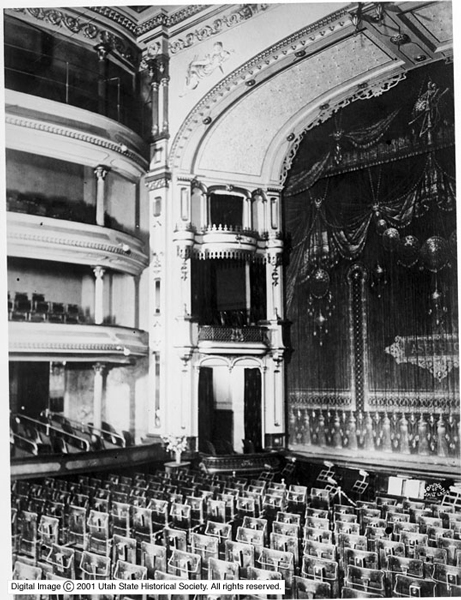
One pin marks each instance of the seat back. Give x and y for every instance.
(222, 569)
(154, 558)
(411, 587)
(123, 549)
(360, 558)
(367, 580)
(319, 549)
(94, 566)
(126, 570)
(309, 588)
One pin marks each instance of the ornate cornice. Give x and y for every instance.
(171, 19)
(84, 28)
(114, 15)
(77, 135)
(234, 18)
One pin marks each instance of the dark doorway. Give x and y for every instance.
(205, 409)
(252, 408)
(29, 387)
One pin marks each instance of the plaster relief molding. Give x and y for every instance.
(80, 339)
(168, 20)
(86, 29)
(159, 183)
(43, 237)
(325, 111)
(77, 135)
(117, 17)
(299, 41)
(217, 26)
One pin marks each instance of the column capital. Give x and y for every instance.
(99, 272)
(99, 368)
(103, 50)
(101, 171)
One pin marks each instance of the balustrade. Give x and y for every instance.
(405, 433)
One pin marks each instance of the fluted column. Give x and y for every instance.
(98, 295)
(98, 369)
(100, 173)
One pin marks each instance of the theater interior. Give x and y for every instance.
(231, 271)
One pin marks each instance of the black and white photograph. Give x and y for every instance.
(231, 349)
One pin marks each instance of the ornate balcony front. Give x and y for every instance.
(36, 237)
(233, 340)
(68, 342)
(226, 241)
(49, 128)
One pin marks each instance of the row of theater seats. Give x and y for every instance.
(34, 203)
(196, 526)
(53, 433)
(37, 309)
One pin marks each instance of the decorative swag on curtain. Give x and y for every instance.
(371, 280)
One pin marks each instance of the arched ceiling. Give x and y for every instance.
(250, 124)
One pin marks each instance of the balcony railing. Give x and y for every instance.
(57, 208)
(210, 333)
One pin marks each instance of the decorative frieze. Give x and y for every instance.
(85, 28)
(217, 26)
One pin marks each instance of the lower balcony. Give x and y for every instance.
(69, 342)
(233, 340)
(45, 238)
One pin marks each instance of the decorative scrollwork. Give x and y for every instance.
(60, 18)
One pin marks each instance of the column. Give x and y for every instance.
(163, 105)
(100, 173)
(98, 369)
(136, 281)
(98, 295)
(247, 216)
(102, 50)
(154, 108)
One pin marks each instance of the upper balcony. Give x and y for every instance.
(96, 78)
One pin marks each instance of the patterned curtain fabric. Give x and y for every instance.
(371, 276)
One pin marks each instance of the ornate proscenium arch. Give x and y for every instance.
(296, 84)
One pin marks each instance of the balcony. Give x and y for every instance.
(71, 342)
(233, 340)
(45, 238)
(49, 128)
